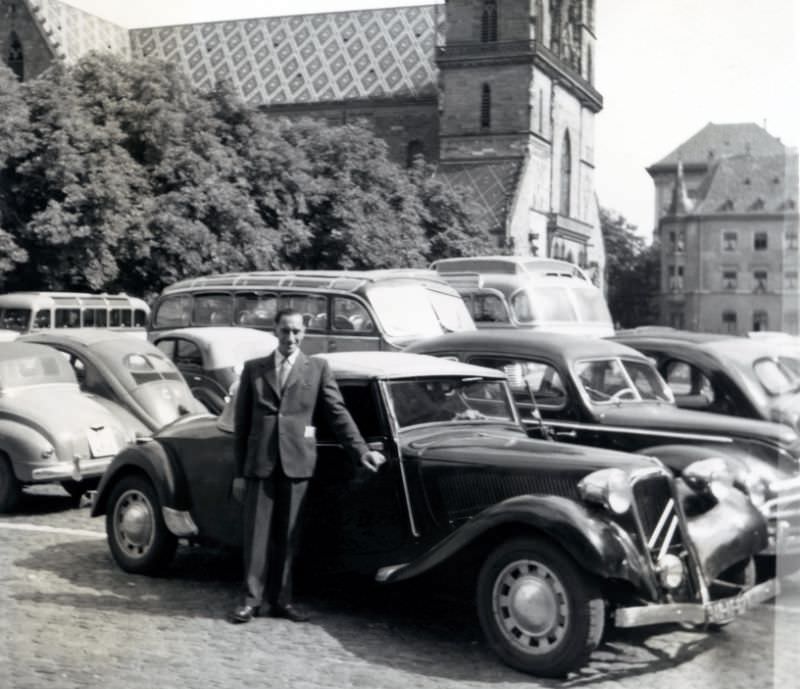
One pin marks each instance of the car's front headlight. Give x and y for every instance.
(718, 474)
(609, 488)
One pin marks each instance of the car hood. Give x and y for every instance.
(665, 417)
(505, 448)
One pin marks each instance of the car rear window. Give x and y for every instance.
(145, 368)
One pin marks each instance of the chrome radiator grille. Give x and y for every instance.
(658, 518)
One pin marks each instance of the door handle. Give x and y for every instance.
(566, 434)
(196, 378)
(377, 446)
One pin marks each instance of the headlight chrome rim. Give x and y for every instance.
(608, 487)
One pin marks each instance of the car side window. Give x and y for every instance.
(359, 398)
(168, 347)
(188, 354)
(489, 308)
(541, 378)
(351, 315)
(686, 381)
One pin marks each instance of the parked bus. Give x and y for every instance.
(24, 312)
(342, 310)
(528, 293)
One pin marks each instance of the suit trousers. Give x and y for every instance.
(272, 510)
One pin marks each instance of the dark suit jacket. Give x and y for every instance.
(269, 427)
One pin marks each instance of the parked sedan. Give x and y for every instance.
(211, 359)
(50, 432)
(602, 393)
(552, 538)
(739, 376)
(125, 373)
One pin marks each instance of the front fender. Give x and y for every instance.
(596, 544)
(153, 460)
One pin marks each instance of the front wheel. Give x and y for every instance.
(137, 535)
(538, 610)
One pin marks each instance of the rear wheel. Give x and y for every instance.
(10, 487)
(137, 535)
(539, 611)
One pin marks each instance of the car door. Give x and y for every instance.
(355, 517)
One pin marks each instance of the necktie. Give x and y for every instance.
(284, 372)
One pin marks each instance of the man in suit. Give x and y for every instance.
(276, 451)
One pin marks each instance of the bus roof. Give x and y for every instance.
(345, 280)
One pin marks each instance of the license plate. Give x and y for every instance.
(724, 610)
(102, 442)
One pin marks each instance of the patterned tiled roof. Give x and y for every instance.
(717, 140)
(491, 184)
(72, 33)
(306, 58)
(750, 184)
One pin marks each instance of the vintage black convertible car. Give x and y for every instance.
(602, 393)
(555, 540)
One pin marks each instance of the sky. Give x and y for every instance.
(665, 69)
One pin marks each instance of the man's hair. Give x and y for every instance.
(286, 313)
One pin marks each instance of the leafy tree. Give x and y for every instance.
(15, 141)
(631, 271)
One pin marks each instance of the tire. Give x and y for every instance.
(539, 611)
(137, 536)
(10, 487)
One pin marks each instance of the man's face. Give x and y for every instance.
(290, 332)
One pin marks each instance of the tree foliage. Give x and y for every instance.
(119, 175)
(631, 271)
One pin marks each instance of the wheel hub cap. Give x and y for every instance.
(530, 606)
(134, 523)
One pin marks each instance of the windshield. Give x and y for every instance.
(615, 380)
(591, 305)
(405, 310)
(445, 400)
(774, 378)
(451, 310)
(553, 304)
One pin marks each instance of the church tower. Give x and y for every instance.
(517, 109)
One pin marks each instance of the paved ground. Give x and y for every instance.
(71, 618)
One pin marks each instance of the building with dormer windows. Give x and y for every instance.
(727, 218)
(498, 93)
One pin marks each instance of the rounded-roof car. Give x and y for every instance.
(50, 431)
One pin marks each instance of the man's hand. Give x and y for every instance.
(372, 460)
(238, 489)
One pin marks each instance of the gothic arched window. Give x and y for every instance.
(566, 175)
(486, 106)
(489, 21)
(16, 60)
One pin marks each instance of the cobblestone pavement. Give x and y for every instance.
(71, 618)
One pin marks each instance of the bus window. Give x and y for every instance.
(313, 307)
(174, 312)
(121, 318)
(42, 319)
(256, 310)
(139, 318)
(68, 318)
(16, 319)
(88, 318)
(101, 318)
(213, 309)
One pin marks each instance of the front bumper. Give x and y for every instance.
(71, 471)
(718, 611)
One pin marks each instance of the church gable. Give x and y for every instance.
(307, 58)
(72, 33)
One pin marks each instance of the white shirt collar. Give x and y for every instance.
(279, 359)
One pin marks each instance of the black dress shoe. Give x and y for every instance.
(243, 613)
(288, 612)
